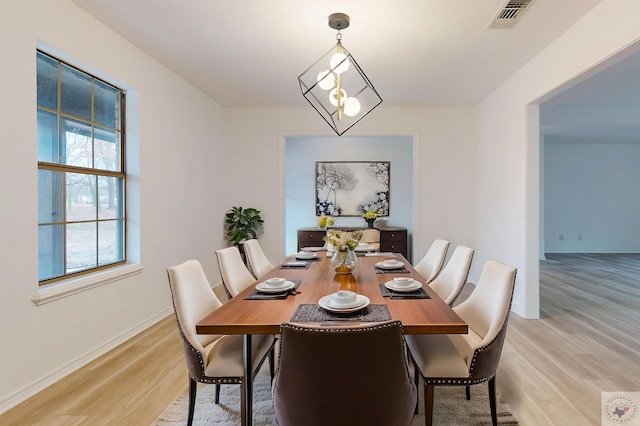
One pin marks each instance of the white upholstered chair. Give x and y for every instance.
(371, 237)
(213, 359)
(450, 281)
(235, 275)
(258, 261)
(468, 359)
(431, 264)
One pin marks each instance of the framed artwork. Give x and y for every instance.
(352, 188)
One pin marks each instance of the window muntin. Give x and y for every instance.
(81, 176)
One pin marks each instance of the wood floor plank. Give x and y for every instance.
(553, 370)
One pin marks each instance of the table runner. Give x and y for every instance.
(315, 313)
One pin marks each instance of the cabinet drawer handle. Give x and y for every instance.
(393, 235)
(310, 235)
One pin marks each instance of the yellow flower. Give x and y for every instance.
(322, 221)
(370, 214)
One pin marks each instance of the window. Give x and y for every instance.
(81, 175)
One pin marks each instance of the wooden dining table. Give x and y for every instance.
(317, 279)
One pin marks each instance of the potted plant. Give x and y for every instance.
(242, 224)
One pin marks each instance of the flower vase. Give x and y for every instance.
(370, 222)
(344, 262)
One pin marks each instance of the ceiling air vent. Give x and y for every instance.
(510, 14)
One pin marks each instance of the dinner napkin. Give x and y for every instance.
(376, 254)
(258, 295)
(420, 293)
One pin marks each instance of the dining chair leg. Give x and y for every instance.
(416, 378)
(468, 392)
(217, 399)
(193, 387)
(272, 362)
(428, 404)
(492, 400)
(243, 404)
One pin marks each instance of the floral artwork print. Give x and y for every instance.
(352, 188)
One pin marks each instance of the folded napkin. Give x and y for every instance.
(299, 264)
(377, 254)
(420, 293)
(258, 295)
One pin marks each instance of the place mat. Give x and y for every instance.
(315, 313)
(300, 266)
(312, 259)
(420, 293)
(402, 270)
(258, 295)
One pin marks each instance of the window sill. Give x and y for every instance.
(49, 293)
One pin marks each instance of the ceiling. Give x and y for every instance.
(249, 53)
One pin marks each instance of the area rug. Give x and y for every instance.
(450, 406)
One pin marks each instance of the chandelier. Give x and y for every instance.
(336, 86)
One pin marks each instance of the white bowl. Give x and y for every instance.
(275, 282)
(403, 281)
(344, 298)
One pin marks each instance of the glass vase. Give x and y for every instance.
(344, 262)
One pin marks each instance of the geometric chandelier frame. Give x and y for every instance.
(335, 85)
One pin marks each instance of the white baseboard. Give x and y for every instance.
(49, 379)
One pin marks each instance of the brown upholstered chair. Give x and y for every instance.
(431, 264)
(210, 358)
(258, 261)
(468, 359)
(235, 274)
(343, 376)
(450, 281)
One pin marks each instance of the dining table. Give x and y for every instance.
(254, 312)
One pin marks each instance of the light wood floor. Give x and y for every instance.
(552, 371)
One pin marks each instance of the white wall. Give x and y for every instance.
(591, 196)
(444, 186)
(177, 131)
(302, 152)
(508, 163)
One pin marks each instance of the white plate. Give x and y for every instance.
(364, 248)
(391, 285)
(363, 302)
(311, 248)
(398, 265)
(263, 287)
(306, 256)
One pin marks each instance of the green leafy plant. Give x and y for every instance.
(242, 224)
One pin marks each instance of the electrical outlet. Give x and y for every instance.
(579, 237)
(561, 237)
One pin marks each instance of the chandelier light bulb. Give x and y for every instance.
(351, 106)
(333, 97)
(326, 80)
(339, 63)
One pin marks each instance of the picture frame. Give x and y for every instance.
(351, 188)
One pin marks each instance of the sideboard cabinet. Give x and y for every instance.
(392, 238)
